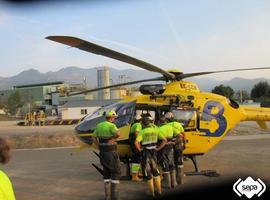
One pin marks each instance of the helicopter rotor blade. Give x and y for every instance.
(118, 85)
(99, 50)
(188, 75)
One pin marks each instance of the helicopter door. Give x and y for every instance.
(123, 121)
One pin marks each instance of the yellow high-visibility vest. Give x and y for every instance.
(6, 189)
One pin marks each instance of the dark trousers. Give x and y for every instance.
(149, 163)
(110, 161)
(136, 155)
(166, 158)
(178, 154)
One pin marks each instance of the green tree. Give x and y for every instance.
(261, 89)
(268, 93)
(224, 91)
(15, 101)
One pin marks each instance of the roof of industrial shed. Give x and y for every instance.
(89, 103)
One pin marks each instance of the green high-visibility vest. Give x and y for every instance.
(177, 128)
(149, 135)
(6, 189)
(105, 130)
(166, 131)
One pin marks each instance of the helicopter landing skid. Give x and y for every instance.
(197, 172)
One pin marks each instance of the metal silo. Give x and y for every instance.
(103, 79)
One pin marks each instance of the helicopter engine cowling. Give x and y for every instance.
(152, 89)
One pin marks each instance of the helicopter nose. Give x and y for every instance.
(84, 132)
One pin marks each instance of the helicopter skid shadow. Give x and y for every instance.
(208, 173)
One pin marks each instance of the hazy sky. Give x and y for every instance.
(190, 35)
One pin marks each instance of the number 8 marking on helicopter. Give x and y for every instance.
(208, 116)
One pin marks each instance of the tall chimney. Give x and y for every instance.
(103, 79)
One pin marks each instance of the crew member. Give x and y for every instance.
(105, 136)
(136, 155)
(166, 154)
(148, 137)
(179, 145)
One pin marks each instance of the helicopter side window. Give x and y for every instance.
(189, 118)
(125, 114)
(152, 113)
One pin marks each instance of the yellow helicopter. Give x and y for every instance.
(207, 117)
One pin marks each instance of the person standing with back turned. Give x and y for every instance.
(105, 136)
(146, 142)
(179, 145)
(136, 155)
(166, 155)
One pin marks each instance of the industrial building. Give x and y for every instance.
(51, 97)
(42, 93)
(43, 96)
(80, 108)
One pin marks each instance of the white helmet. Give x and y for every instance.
(138, 117)
(169, 115)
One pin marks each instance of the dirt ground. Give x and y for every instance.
(53, 174)
(63, 173)
(21, 137)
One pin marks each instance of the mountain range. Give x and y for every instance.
(76, 75)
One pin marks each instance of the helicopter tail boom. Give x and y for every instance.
(258, 114)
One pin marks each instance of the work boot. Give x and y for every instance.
(180, 174)
(150, 184)
(158, 184)
(173, 179)
(135, 177)
(107, 188)
(166, 182)
(114, 191)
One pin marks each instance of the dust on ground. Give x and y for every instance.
(21, 137)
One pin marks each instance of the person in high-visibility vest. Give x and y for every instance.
(146, 142)
(27, 119)
(32, 118)
(105, 136)
(41, 118)
(6, 189)
(166, 154)
(179, 145)
(136, 155)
